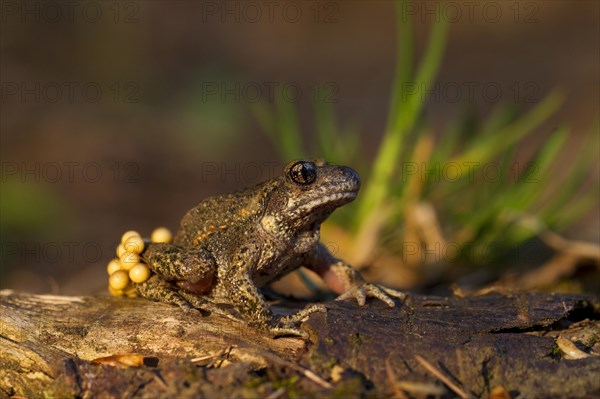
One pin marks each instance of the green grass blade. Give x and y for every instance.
(404, 61)
(575, 176)
(500, 117)
(490, 145)
(326, 132)
(351, 138)
(403, 118)
(575, 210)
(535, 176)
(266, 119)
(289, 133)
(519, 198)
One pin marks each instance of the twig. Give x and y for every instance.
(398, 392)
(569, 349)
(415, 388)
(223, 354)
(277, 393)
(159, 379)
(580, 249)
(305, 372)
(455, 388)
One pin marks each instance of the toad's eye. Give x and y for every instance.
(303, 172)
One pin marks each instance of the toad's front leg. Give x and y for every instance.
(252, 305)
(345, 280)
(239, 288)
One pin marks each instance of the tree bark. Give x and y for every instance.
(476, 344)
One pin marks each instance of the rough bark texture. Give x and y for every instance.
(478, 343)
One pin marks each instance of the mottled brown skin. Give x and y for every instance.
(229, 246)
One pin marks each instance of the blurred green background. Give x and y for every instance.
(123, 115)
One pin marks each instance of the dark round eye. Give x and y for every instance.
(303, 172)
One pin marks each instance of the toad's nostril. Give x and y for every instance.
(350, 175)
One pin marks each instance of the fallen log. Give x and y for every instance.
(57, 346)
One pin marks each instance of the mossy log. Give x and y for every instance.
(498, 343)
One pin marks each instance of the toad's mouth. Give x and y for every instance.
(332, 200)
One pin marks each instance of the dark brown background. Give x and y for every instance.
(162, 132)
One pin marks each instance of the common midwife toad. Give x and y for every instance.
(229, 246)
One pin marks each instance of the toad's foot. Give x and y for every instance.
(157, 289)
(364, 290)
(287, 325)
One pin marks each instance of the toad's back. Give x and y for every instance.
(223, 218)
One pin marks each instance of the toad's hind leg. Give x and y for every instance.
(193, 270)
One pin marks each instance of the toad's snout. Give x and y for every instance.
(349, 178)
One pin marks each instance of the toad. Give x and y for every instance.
(230, 246)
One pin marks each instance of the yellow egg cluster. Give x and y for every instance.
(128, 266)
